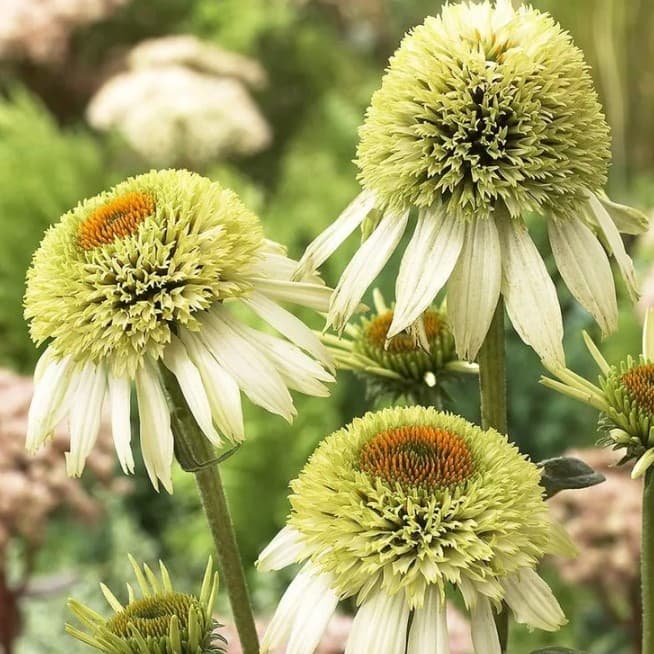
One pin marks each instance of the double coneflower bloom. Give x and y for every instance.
(485, 114)
(397, 511)
(152, 273)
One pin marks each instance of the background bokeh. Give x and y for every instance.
(266, 96)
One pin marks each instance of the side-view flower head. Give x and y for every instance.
(485, 114)
(147, 274)
(399, 509)
(162, 621)
(409, 366)
(624, 397)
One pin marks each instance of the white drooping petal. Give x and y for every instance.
(281, 624)
(627, 219)
(426, 266)
(428, 632)
(251, 369)
(299, 371)
(177, 360)
(156, 435)
(48, 406)
(643, 464)
(85, 415)
(364, 266)
(532, 600)
(482, 625)
(317, 608)
(282, 550)
(586, 270)
(530, 294)
(328, 241)
(648, 335)
(615, 245)
(380, 625)
(474, 287)
(305, 294)
(222, 391)
(121, 428)
(290, 326)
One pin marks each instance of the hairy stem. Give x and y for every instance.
(647, 564)
(492, 382)
(196, 454)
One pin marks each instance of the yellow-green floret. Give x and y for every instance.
(410, 497)
(112, 279)
(485, 105)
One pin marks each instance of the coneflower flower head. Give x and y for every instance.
(485, 113)
(396, 510)
(162, 621)
(624, 395)
(410, 365)
(144, 275)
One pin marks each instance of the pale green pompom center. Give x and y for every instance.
(484, 106)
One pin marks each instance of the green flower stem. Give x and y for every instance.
(492, 382)
(196, 454)
(647, 564)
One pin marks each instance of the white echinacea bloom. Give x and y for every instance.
(145, 275)
(399, 510)
(485, 114)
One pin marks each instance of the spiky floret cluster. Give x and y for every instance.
(119, 270)
(409, 365)
(624, 396)
(402, 353)
(484, 104)
(396, 527)
(163, 621)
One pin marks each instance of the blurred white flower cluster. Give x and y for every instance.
(32, 487)
(183, 102)
(39, 29)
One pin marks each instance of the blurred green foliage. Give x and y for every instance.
(324, 59)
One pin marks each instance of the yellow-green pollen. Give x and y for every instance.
(639, 382)
(116, 219)
(377, 330)
(417, 456)
(151, 616)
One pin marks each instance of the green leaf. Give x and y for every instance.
(565, 472)
(557, 650)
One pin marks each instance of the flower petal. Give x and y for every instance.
(365, 265)
(156, 435)
(428, 632)
(532, 600)
(615, 245)
(305, 294)
(290, 326)
(48, 406)
(85, 416)
(222, 391)
(586, 270)
(251, 370)
(474, 287)
(426, 266)
(329, 240)
(530, 294)
(283, 620)
(177, 360)
(121, 428)
(484, 631)
(380, 625)
(627, 219)
(282, 550)
(318, 606)
(648, 335)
